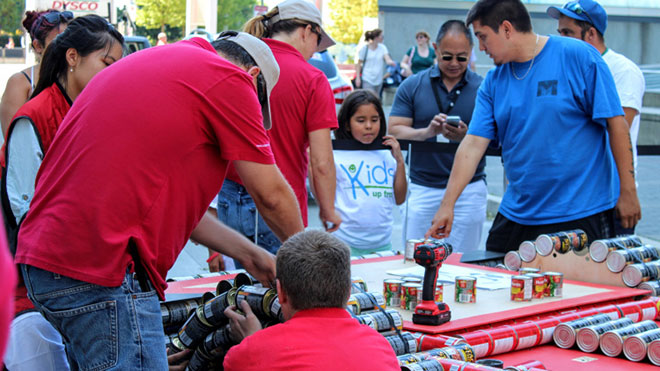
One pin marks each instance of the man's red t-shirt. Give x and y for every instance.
(315, 339)
(300, 103)
(139, 157)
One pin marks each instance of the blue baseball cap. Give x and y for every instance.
(582, 10)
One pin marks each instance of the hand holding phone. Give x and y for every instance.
(453, 121)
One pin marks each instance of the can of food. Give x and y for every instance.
(427, 342)
(360, 283)
(214, 309)
(392, 292)
(635, 274)
(366, 301)
(260, 299)
(654, 352)
(176, 313)
(409, 358)
(466, 289)
(521, 288)
(588, 338)
(505, 339)
(619, 259)
(561, 242)
(466, 351)
(565, 333)
(412, 280)
(409, 254)
(439, 292)
(512, 260)
(547, 327)
(599, 249)
(554, 284)
(410, 295)
(481, 342)
(195, 329)
(611, 342)
(528, 333)
(447, 352)
(539, 285)
(652, 286)
(525, 270)
(425, 365)
(527, 251)
(403, 344)
(635, 347)
(245, 279)
(380, 321)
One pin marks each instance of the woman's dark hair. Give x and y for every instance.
(351, 104)
(370, 35)
(454, 25)
(262, 26)
(239, 56)
(492, 13)
(86, 35)
(38, 26)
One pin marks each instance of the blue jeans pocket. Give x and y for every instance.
(92, 327)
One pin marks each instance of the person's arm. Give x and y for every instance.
(358, 72)
(241, 325)
(24, 157)
(324, 177)
(273, 197)
(627, 207)
(466, 160)
(630, 114)
(389, 60)
(16, 94)
(400, 184)
(215, 235)
(402, 127)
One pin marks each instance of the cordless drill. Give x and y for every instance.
(430, 255)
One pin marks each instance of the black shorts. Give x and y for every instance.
(506, 235)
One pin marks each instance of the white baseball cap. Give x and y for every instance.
(304, 11)
(265, 60)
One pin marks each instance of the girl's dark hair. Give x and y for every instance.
(351, 104)
(38, 30)
(86, 35)
(370, 35)
(456, 26)
(262, 26)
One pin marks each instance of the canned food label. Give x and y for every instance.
(503, 345)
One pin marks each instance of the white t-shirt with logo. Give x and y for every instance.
(374, 66)
(630, 86)
(365, 197)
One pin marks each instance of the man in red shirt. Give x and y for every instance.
(303, 109)
(313, 286)
(126, 183)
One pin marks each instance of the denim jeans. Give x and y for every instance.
(103, 328)
(236, 209)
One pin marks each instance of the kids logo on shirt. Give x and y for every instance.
(364, 178)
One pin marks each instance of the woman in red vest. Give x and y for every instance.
(88, 45)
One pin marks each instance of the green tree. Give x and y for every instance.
(155, 14)
(11, 14)
(347, 16)
(232, 14)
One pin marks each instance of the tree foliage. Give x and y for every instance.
(11, 15)
(347, 18)
(232, 14)
(158, 13)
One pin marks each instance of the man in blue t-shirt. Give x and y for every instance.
(420, 110)
(551, 104)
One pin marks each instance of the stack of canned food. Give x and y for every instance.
(531, 283)
(612, 335)
(406, 292)
(545, 244)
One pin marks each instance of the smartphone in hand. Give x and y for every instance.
(453, 120)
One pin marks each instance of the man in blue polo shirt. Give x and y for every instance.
(552, 105)
(419, 112)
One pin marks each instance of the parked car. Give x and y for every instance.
(200, 32)
(133, 44)
(341, 87)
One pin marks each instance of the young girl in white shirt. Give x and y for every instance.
(369, 182)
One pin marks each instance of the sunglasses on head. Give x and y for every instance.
(576, 8)
(460, 58)
(53, 18)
